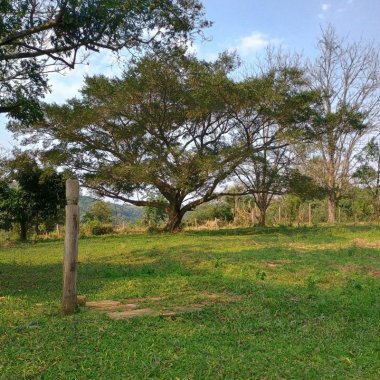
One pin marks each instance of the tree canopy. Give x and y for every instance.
(38, 37)
(100, 212)
(277, 109)
(172, 125)
(30, 195)
(348, 76)
(164, 127)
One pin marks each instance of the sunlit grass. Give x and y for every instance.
(304, 305)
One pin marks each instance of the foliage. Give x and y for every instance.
(304, 186)
(173, 125)
(277, 110)
(215, 210)
(163, 127)
(368, 173)
(348, 76)
(300, 293)
(154, 216)
(38, 37)
(120, 212)
(99, 212)
(30, 194)
(94, 227)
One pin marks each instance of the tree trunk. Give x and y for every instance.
(23, 231)
(331, 202)
(175, 219)
(36, 228)
(262, 204)
(262, 218)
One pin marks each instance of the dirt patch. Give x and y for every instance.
(276, 263)
(118, 315)
(102, 304)
(349, 268)
(134, 307)
(142, 299)
(362, 243)
(374, 272)
(109, 305)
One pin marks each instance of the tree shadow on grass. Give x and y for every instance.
(45, 280)
(172, 270)
(311, 234)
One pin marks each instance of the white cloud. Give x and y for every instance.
(325, 7)
(254, 42)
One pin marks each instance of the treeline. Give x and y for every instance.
(293, 141)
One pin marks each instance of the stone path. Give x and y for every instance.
(134, 307)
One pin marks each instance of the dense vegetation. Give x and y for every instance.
(175, 132)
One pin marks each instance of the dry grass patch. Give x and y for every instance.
(135, 307)
(362, 243)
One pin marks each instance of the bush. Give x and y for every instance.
(211, 211)
(94, 227)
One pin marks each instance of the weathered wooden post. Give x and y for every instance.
(310, 221)
(71, 247)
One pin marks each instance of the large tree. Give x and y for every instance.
(38, 37)
(348, 76)
(164, 128)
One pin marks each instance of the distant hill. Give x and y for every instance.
(121, 212)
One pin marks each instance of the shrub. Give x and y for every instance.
(94, 227)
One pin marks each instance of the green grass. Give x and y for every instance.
(307, 307)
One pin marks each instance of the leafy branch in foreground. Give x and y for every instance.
(38, 37)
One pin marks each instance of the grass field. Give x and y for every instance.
(299, 304)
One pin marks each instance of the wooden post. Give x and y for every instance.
(310, 221)
(71, 247)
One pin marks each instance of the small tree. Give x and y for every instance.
(30, 194)
(265, 175)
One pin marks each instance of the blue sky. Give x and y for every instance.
(246, 26)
